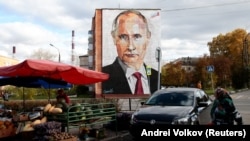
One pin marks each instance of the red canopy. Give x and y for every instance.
(55, 70)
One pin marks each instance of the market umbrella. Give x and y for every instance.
(54, 70)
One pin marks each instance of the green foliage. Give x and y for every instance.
(30, 93)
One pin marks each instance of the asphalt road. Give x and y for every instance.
(242, 103)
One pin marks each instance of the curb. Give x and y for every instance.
(240, 90)
(116, 137)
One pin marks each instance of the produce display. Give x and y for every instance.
(49, 131)
(47, 124)
(58, 136)
(47, 107)
(81, 114)
(7, 128)
(47, 128)
(55, 109)
(5, 124)
(27, 127)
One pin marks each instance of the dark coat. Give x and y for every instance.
(117, 82)
(223, 109)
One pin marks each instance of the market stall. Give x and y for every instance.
(88, 119)
(7, 127)
(31, 122)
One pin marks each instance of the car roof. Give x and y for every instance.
(182, 88)
(170, 89)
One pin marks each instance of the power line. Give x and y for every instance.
(206, 6)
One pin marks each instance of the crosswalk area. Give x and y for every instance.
(240, 96)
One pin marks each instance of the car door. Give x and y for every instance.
(204, 111)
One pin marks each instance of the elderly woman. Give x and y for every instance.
(223, 110)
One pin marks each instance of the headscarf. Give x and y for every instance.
(221, 93)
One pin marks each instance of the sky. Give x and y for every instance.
(186, 25)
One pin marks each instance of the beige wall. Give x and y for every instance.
(6, 61)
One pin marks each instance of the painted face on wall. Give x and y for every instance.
(131, 39)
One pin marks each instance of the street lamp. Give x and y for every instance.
(158, 56)
(59, 56)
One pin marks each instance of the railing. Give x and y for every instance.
(85, 115)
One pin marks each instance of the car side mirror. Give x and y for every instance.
(198, 99)
(143, 102)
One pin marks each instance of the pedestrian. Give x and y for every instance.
(62, 96)
(199, 85)
(223, 110)
(6, 96)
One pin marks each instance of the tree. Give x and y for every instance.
(230, 46)
(200, 72)
(173, 75)
(42, 55)
(223, 71)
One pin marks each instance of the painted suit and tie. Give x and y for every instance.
(131, 36)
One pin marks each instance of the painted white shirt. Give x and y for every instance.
(132, 79)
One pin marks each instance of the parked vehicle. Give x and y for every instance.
(172, 106)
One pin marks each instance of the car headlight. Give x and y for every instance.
(181, 121)
(133, 119)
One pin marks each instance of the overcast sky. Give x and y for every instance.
(186, 25)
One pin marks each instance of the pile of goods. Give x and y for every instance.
(86, 133)
(59, 136)
(53, 109)
(41, 130)
(29, 125)
(50, 131)
(7, 128)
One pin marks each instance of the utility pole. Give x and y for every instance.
(73, 47)
(13, 52)
(245, 58)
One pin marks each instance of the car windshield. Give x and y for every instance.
(183, 98)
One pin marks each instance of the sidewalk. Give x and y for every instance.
(120, 136)
(110, 135)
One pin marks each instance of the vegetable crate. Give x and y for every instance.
(85, 115)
